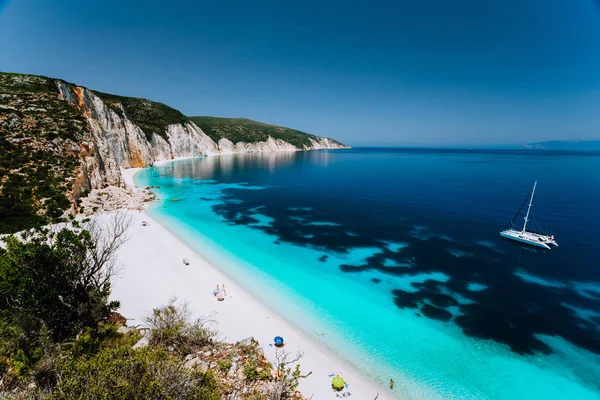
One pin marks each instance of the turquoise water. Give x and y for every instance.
(392, 259)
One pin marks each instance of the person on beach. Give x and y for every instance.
(216, 291)
(223, 289)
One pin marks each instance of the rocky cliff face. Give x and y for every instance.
(59, 142)
(121, 143)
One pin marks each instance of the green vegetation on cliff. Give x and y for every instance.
(43, 138)
(60, 338)
(246, 130)
(39, 151)
(150, 116)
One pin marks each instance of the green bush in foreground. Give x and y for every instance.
(225, 365)
(171, 327)
(54, 286)
(121, 372)
(253, 372)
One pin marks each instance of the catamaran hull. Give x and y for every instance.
(526, 241)
(528, 237)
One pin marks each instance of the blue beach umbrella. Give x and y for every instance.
(278, 341)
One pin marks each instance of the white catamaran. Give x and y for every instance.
(525, 236)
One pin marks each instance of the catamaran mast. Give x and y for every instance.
(529, 208)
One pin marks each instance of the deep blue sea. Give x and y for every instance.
(393, 259)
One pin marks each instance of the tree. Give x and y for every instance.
(286, 379)
(54, 282)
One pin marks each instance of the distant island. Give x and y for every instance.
(565, 145)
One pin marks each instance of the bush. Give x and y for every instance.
(53, 285)
(23, 342)
(120, 372)
(171, 328)
(225, 365)
(253, 372)
(91, 341)
(49, 276)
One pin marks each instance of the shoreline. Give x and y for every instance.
(152, 260)
(421, 347)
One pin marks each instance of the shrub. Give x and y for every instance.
(120, 372)
(23, 342)
(59, 278)
(253, 372)
(225, 365)
(171, 328)
(53, 285)
(91, 341)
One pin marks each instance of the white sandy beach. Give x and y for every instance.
(152, 272)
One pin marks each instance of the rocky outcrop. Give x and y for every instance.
(118, 142)
(61, 143)
(226, 146)
(112, 198)
(324, 143)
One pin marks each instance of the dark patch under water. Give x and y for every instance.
(509, 311)
(441, 237)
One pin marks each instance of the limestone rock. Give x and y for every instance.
(197, 363)
(246, 342)
(114, 141)
(143, 342)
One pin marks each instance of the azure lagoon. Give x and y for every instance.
(392, 258)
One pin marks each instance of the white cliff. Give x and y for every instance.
(187, 140)
(324, 143)
(115, 141)
(226, 146)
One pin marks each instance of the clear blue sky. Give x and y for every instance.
(403, 72)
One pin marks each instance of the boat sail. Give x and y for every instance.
(525, 236)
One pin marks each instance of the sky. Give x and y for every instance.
(403, 72)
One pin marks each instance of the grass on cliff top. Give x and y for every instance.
(246, 130)
(20, 83)
(150, 116)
